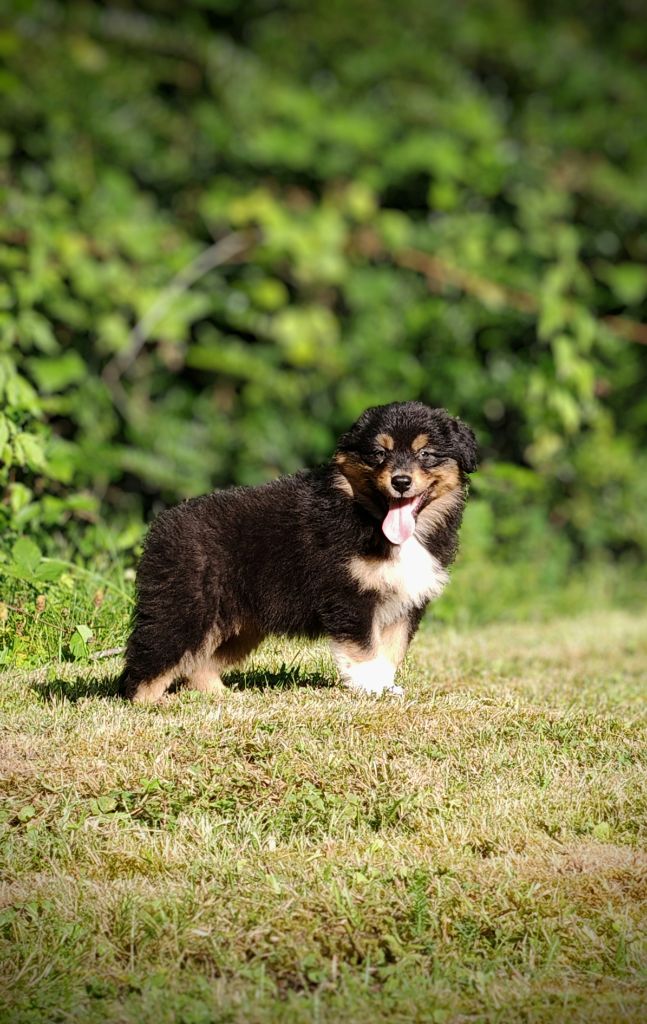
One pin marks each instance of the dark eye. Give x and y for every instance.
(429, 457)
(379, 456)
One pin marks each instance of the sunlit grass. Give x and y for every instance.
(293, 852)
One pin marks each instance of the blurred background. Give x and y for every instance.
(226, 228)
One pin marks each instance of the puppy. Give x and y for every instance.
(353, 551)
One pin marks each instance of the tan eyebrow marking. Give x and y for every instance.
(419, 442)
(386, 441)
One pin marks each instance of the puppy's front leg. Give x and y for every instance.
(371, 668)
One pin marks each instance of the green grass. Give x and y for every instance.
(40, 620)
(292, 852)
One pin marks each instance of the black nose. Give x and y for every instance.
(401, 482)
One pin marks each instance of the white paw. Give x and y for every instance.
(374, 677)
(374, 688)
(393, 691)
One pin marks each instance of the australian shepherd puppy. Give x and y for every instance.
(352, 551)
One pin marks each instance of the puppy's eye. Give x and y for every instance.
(429, 457)
(379, 456)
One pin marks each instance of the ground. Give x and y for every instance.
(293, 852)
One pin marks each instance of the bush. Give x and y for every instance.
(227, 229)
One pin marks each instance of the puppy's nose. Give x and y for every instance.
(401, 482)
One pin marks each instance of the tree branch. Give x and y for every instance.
(214, 256)
(441, 275)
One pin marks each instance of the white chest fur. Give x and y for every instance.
(406, 580)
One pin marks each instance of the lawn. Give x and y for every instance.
(292, 852)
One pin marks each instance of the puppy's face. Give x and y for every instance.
(398, 460)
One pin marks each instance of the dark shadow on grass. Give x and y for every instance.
(74, 690)
(288, 677)
(107, 687)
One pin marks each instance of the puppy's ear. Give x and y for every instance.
(348, 441)
(464, 443)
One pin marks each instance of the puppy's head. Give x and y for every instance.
(399, 460)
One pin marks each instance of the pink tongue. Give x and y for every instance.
(399, 522)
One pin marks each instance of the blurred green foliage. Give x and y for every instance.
(439, 200)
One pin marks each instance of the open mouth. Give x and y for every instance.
(400, 521)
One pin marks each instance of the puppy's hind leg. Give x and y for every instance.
(237, 647)
(205, 678)
(145, 681)
(201, 670)
(151, 667)
(149, 691)
(205, 673)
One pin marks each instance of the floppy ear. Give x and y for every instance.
(465, 447)
(348, 440)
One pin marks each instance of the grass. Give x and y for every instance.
(40, 620)
(296, 853)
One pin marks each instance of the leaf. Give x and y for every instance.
(49, 570)
(435, 753)
(26, 555)
(58, 372)
(628, 281)
(19, 497)
(150, 785)
(78, 648)
(4, 432)
(105, 804)
(29, 451)
(36, 332)
(79, 642)
(21, 395)
(602, 831)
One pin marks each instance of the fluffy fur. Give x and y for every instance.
(307, 555)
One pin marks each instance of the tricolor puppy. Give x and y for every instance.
(353, 551)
